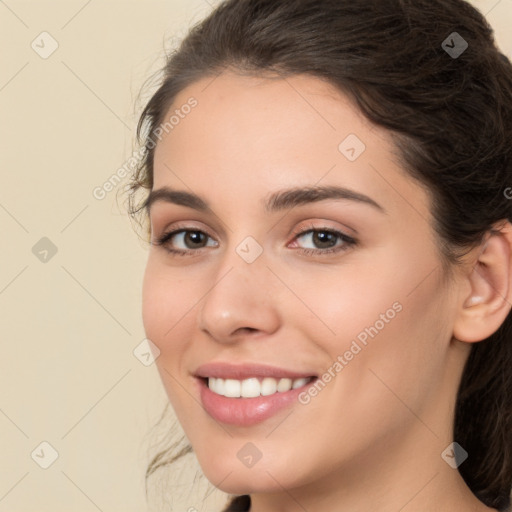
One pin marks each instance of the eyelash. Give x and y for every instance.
(348, 241)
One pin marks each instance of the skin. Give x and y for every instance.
(372, 438)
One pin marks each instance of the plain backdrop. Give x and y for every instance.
(77, 393)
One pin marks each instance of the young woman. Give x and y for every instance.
(329, 283)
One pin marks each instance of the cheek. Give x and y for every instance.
(392, 326)
(393, 317)
(165, 301)
(167, 305)
(342, 304)
(157, 305)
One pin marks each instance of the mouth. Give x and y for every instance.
(248, 394)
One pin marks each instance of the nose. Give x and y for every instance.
(241, 301)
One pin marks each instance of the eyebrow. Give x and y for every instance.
(277, 201)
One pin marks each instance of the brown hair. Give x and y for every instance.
(450, 117)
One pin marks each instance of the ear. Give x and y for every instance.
(485, 307)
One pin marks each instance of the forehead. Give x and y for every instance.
(252, 134)
(234, 111)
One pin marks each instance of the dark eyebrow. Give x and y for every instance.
(286, 199)
(179, 197)
(281, 200)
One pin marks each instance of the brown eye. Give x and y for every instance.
(194, 239)
(323, 240)
(185, 240)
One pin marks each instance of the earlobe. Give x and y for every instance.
(486, 306)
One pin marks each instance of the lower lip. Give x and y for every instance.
(245, 412)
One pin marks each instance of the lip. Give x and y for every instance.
(226, 370)
(245, 412)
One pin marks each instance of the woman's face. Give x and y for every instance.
(304, 258)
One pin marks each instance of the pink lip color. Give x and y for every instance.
(245, 412)
(245, 371)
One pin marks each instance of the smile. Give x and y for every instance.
(254, 387)
(247, 394)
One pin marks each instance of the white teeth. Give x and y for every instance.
(268, 386)
(232, 388)
(250, 388)
(218, 386)
(253, 387)
(298, 383)
(284, 385)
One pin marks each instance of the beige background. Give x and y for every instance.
(69, 325)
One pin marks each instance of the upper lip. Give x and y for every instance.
(226, 370)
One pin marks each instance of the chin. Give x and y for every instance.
(228, 471)
(248, 481)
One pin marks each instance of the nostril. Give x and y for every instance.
(244, 330)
